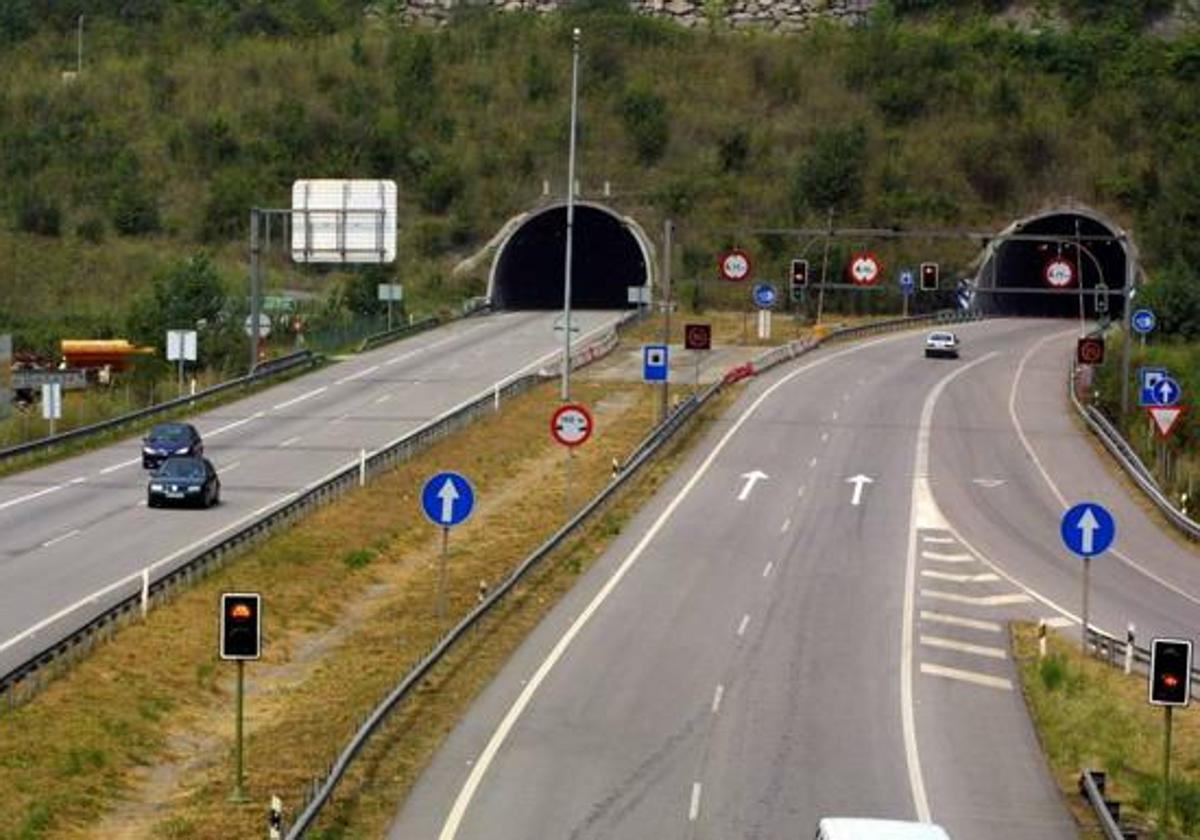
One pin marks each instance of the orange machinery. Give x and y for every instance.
(117, 353)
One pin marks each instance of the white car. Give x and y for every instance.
(842, 828)
(941, 343)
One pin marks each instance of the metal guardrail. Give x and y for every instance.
(1125, 455)
(1091, 786)
(322, 790)
(1113, 651)
(266, 370)
(376, 339)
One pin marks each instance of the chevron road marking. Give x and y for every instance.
(964, 647)
(960, 621)
(983, 577)
(978, 601)
(985, 680)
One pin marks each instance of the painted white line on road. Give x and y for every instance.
(290, 440)
(461, 802)
(59, 539)
(383, 399)
(824, 436)
(980, 601)
(694, 807)
(767, 568)
(964, 647)
(835, 415)
(947, 558)
(293, 400)
(121, 465)
(960, 621)
(236, 423)
(787, 523)
(79, 480)
(1058, 622)
(937, 540)
(228, 468)
(800, 492)
(985, 680)
(741, 631)
(31, 496)
(985, 577)
(812, 462)
(717, 695)
(358, 375)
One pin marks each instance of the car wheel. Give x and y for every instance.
(151, 502)
(216, 495)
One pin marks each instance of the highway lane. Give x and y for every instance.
(76, 526)
(739, 667)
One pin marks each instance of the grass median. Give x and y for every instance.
(1089, 715)
(136, 740)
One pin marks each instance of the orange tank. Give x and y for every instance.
(86, 353)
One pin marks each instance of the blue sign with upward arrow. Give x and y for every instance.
(1088, 529)
(1143, 321)
(447, 499)
(1166, 391)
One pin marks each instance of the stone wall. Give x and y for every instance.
(783, 15)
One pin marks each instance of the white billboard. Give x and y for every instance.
(343, 221)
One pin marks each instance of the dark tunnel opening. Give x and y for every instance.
(1013, 280)
(607, 259)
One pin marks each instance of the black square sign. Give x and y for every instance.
(697, 337)
(1090, 351)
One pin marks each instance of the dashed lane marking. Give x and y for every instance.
(964, 647)
(960, 621)
(289, 441)
(742, 627)
(767, 569)
(31, 496)
(121, 465)
(60, 538)
(358, 375)
(301, 398)
(982, 577)
(787, 523)
(985, 680)
(717, 695)
(978, 601)
(694, 807)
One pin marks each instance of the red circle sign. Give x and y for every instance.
(571, 424)
(864, 269)
(735, 265)
(1059, 273)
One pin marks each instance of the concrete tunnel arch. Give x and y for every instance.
(611, 252)
(1009, 277)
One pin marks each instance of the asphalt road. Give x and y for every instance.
(73, 528)
(757, 651)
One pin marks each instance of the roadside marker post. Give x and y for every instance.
(447, 499)
(1087, 529)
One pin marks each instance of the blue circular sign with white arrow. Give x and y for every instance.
(447, 499)
(1143, 321)
(764, 295)
(1088, 529)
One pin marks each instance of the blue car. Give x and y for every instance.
(167, 439)
(184, 480)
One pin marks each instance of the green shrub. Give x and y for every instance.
(36, 213)
(644, 114)
(358, 558)
(1053, 672)
(830, 173)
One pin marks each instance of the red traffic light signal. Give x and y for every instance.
(799, 273)
(929, 276)
(1090, 351)
(241, 625)
(1170, 672)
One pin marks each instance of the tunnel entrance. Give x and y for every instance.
(1013, 274)
(611, 253)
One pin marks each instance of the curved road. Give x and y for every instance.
(75, 527)
(775, 638)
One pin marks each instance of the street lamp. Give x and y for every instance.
(566, 372)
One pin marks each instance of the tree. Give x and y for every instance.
(831, 173)
(188, 295)
(1174, 296)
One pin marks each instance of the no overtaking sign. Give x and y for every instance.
(571, 424)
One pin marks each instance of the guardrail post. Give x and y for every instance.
(1129, 634)
(145, 591)
(1041, 638)
(362, 467)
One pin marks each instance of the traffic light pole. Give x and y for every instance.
(239, 788)
(1166, 797)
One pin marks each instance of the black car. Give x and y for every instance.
(184, 480)
(167, 439)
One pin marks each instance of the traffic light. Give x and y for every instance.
(929, 277)
(241, 625)
(799, 279)
(1170, 672)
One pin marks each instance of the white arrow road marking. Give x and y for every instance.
(966, 676)
(752, 478)
(858, 481)
(963, 647)
(1087, 526)
(449, 495)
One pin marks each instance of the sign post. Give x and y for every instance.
(52, 403)
(764, 298)
(697, 338)
(1143, 322)
(655, 367)
(571, 425)
(390, 292)
(907, 286)
(1087, 529)
(447, 500)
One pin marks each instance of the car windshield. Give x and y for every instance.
(170, 434)
(941, 337)
(173, 468)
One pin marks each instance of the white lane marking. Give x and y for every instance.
(60, 538)
(799, 492)
(717, 695)
(358, 375)
(290, 440)
(964, 647)
(960, 621)
(984, 577)
(787, 523)
(116, 467)
(824, 436)
(236, 423)
(741, 631)
(767, 569)
(79, 480)
(937, 540)
(947, 558)
(694, 807)
(980, 601)
(128, 580)
(985, 680)
(295, 400)
(1012, 413)
(812, 462)
(383, 399)
(401, 357)
(31, 496)
(835, 415)
(916, 514)
(461, 802)
(1058, 621)
(228, 468)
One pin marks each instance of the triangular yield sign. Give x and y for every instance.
(1165, 417)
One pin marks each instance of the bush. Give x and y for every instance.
(831, 173)
(35, 213)
(1053, 672)
(134, 210)
(644, 114)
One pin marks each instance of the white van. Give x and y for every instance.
(844, 828)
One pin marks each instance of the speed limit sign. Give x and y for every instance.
(734, 265)
(1059, 273)
(571, 424)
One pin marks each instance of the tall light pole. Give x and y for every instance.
(79, 48)
(566, 373)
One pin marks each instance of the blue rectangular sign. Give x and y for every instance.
(654, 363)
(1148, 380)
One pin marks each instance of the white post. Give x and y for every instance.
(496, 397)
(362, 467)
(193, 386)
(145, 591)
(1129, 636)
(1041, 639)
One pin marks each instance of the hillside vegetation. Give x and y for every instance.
(187, 114)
